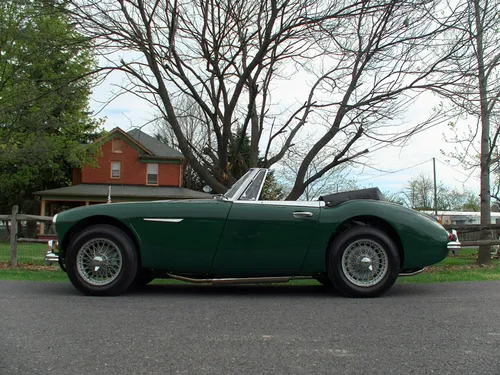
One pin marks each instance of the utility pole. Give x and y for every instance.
(435, 186)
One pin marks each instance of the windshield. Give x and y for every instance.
(252, 192)
(230, 193)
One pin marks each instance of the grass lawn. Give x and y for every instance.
(453, 268)
(27, 253)
(456, 268)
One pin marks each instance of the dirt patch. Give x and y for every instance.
(461, 267)
(30, 267)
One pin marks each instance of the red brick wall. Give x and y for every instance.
(77, 176)
(132, 171)
(168, 174)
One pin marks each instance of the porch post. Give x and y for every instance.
(42, 213)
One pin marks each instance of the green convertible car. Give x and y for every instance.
(355, 242)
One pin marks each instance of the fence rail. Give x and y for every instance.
(23, 217)
(470, 234)
(471, 227)
(15, 240)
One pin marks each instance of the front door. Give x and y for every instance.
(182, 236)
(265, 237)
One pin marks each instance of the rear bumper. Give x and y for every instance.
(454, 243)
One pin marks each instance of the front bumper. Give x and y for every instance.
(52, 256)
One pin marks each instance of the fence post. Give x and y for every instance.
(13, 237)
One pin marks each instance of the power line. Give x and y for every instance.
(396, 171)
(458, 171)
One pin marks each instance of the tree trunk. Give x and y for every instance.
(484, 256)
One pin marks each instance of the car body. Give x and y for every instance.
(354, 241)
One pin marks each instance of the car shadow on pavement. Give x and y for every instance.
(316, 291)
(254, 290)
(236, 290)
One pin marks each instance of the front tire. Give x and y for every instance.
(363, 262)
(101, 261)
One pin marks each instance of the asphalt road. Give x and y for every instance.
(48, 328)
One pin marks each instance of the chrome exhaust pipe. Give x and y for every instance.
(412, 273)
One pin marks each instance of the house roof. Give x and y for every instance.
(156, 147)
(124, 191)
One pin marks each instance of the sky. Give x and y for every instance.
(390, 167)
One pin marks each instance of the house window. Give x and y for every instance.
(116, 145)
(115, 169)
(152, 178)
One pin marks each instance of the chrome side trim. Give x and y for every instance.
(239, 280)
(163, 220)
(286, 203)
(416, 272)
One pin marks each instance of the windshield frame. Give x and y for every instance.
(234, 193)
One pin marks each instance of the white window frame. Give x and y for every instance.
(114, 163)
(148, 173)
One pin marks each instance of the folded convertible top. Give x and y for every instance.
(337, 198)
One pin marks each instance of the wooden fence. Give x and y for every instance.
(464, 232)
(14, 219)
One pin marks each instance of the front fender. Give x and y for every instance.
(70, 221)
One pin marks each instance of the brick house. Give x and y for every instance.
(132, 166)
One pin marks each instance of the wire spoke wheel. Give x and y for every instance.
(99, 261)
(365, 262)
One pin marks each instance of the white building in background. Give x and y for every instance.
(461, 217)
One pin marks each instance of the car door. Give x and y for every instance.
(265, 237)
(182, 236)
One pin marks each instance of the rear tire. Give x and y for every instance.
(363, 262)
(101, 261)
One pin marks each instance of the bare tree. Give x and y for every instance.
(336, 180)
(196, 133)
(476, 93)
(368, 59)
(419, 194)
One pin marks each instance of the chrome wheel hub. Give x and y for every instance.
(99, 261)
(365, 263)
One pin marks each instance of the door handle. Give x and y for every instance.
(301, 214)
